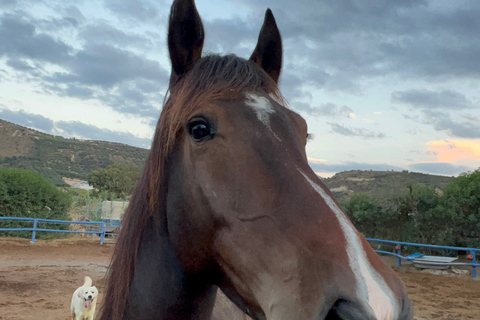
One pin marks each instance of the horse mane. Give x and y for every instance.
(211, 78)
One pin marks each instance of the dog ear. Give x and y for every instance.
(80, 293)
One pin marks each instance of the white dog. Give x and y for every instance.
(84, 301)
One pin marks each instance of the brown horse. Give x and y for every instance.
(228, 200)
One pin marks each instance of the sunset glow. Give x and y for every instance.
(455, 150)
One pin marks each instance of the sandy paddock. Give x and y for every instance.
(37, 281)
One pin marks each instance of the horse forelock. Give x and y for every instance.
(212, 78)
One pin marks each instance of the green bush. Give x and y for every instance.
(423, 214)
(24, 193)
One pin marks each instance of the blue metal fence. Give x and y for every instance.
(399, 256)
(102, 233)
(35, 221)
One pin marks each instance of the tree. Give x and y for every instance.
(368, 216)
(24, 193)
(117, 181)
(462, 201)
(421, 215)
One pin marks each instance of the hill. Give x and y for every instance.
(381, 184)
(56, 157)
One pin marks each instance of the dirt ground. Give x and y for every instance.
(37, 281)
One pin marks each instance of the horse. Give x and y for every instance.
(228, 200)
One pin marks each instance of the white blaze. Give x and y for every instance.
(262, 108)
(380, 297)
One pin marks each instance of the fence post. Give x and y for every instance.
(34, 230)
(102, 234)
(399, 252)
(474, 268)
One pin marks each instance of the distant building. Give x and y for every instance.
(83, 185)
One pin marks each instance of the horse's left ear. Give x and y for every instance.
(185, 37)
(268, 53)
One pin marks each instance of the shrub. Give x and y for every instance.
(24, 193)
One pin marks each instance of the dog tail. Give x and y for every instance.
(88, 282)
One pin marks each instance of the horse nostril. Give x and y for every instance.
(347, 310)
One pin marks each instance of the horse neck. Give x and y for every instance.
(160, 289)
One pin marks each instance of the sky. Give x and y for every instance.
(383, 85)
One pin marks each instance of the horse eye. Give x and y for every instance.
(199, 130)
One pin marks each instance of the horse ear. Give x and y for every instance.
(268, 52)
(185, 37)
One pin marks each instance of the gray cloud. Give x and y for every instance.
(333, 110)
(352, 166)
(330, 110)
(365, 133)
(73, 12)
(439, 168)
(102, 33)
(127, 98)
(231, 36)
(426, 99)
(105, 66)
(7, 3)
(19, 38)
(81, 92)
(442, 122)
(349, 41)
(120, 78)
(19, 65)
(71, 128)
(76, 128)
(30, 120)
(138, 10)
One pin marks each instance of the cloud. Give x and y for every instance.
(365, 133)
(431, 102)
(316, 160)
(232, 35)
(73, 12)
(19, 38)
(347, 166)
(26, 119)
(19, 65)
(455, 150)
(71, 128)
(7, 3)
(86, 131)
(352, 41)
(138, 10)
(330, 110)
(119, 78)
(104, 65)
(427, 99)
(105, 70)
(104, 33)
(468, 128)
(439, 168)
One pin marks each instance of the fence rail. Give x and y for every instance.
(399, 256)
(102, 232)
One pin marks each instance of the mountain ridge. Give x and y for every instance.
(56, 157)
